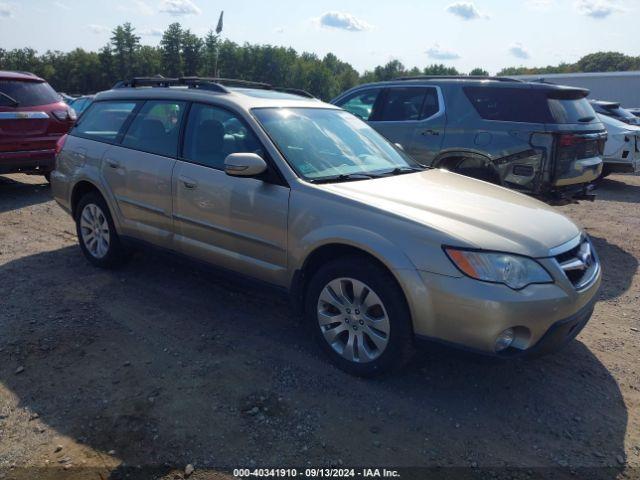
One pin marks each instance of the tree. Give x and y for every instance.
(210, 54)
(125, 44)
(479, 72)
(606, 62)
(191, 52)
(171, 45)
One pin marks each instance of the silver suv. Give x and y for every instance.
(377, 250)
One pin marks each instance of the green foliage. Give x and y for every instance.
(181, 52)
(479, 72)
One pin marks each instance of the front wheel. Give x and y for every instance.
(358, 314)
(97, 235)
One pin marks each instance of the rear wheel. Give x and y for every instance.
(358, 315)
(97, 235)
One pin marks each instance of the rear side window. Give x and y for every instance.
(213, 133)
(156, 128)
(510, 104)
(361, 103)
(104, 120)
(29, 94)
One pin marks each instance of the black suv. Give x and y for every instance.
(538, 138)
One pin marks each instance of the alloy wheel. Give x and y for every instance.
(353, 320)
(94, 229)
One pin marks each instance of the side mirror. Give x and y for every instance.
(244, 165)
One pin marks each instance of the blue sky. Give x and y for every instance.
(465, 34)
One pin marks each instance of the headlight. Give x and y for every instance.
(512, 270)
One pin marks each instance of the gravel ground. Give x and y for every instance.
(163, 364)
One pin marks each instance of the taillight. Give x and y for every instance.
(66, 114)
(569, 139)
(60, 143)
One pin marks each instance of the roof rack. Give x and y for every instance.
(205, 83)
(459, 77)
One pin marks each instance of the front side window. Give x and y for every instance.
(324, 143)
(29, 94)
(104, 120)
(403, 104)
(213, 133)
(361, 104)
(156, 128)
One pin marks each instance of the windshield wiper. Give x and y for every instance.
(13, 101)
(401, 170)
(342, 178)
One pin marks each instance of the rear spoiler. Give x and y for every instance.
(567, 93)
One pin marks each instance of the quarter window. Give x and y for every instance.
(156, 128)
(410, 103)
(213, 133)
(104, 120)
(510, 104)
(361, 104)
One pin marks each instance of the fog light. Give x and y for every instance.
(504, 340)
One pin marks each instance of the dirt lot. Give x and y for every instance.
(164, 364)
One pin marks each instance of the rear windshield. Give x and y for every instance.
(619, 112)
(528, 106)
(29, 94)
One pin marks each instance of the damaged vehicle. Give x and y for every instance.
(541, 139)
(622, 150)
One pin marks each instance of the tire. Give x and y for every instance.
(107, 254)
(374, 351)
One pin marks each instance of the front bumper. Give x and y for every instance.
(471, 314)
(42, 161)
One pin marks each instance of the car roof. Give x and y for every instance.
(494, 82)
(24, 76)
(245, 98)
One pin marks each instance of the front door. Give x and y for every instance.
(233, 222)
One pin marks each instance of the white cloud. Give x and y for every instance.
(596, 8)
(438, 53)
(178, 8)
(152, 32)
(343, 21)
(98, 29)
(62, 5)
(6, 10)
(519, 51)
(466, 11)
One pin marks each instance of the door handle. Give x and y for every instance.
(431, 132)
(189, 183)
(113, 163)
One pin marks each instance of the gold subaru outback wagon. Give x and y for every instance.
(377, 250)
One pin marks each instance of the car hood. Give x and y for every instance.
(467, 212)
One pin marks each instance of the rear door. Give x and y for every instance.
(233, 222)
(138, 170)
(411, 117)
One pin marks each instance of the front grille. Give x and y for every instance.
(579, 263)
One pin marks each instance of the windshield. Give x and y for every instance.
(323, 143)
(621, 113)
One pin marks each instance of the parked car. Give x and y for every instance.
(66, 98)
(32, 119)
(80, 104)
(635, 111)
(614, 110)
(622, 150)
(375, 249)
(536, 138)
